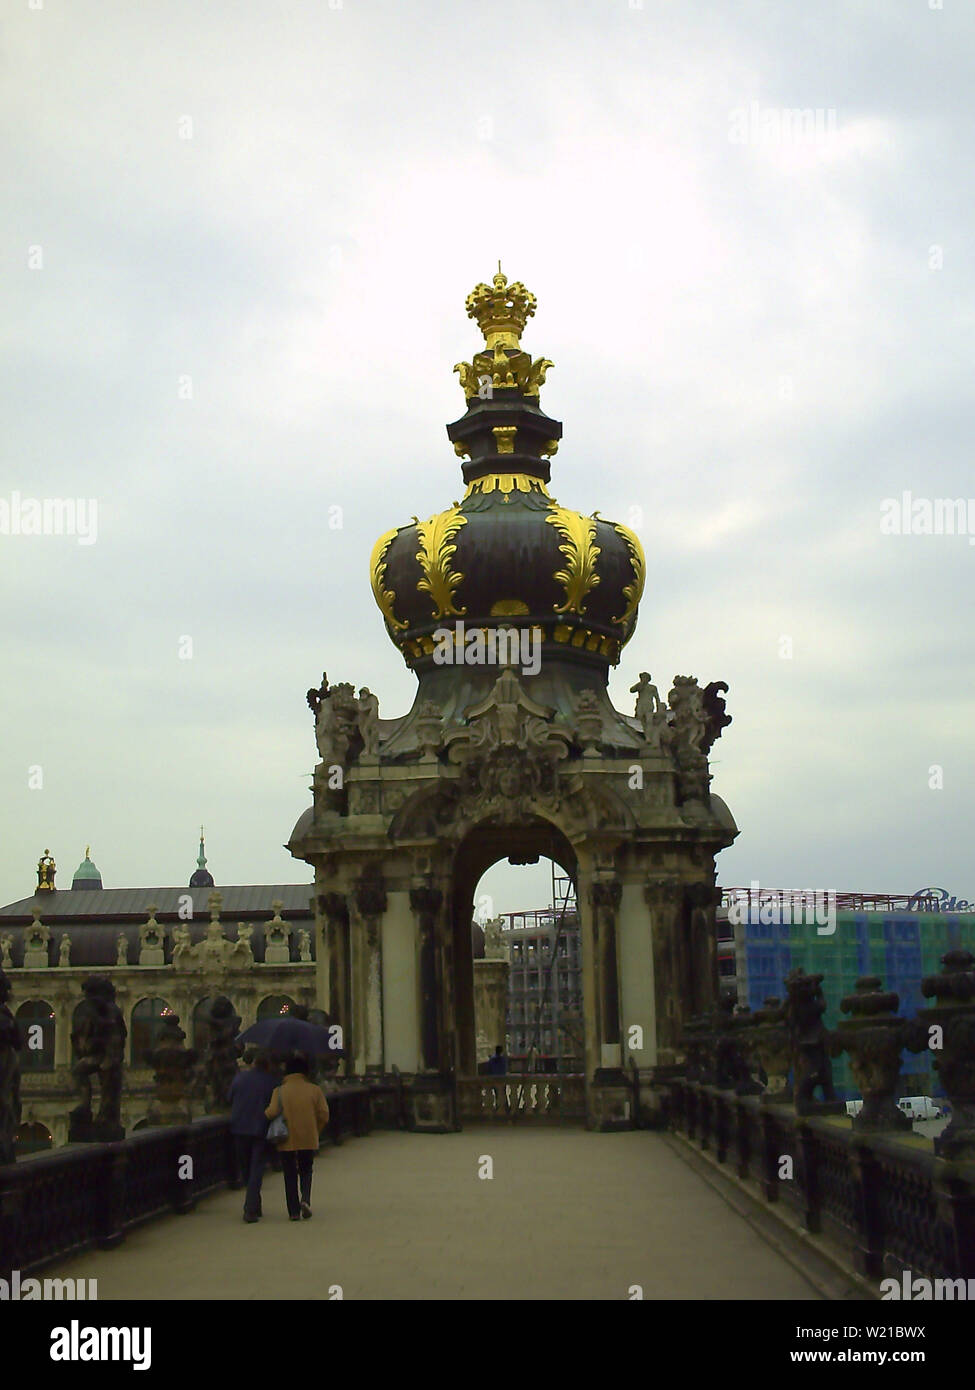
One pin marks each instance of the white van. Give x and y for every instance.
(919, 1108)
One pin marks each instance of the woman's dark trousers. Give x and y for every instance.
(297, 1166)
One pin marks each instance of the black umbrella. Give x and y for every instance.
(295, 1035)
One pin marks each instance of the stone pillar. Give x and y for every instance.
(426, 902)
(333, 965)
(369, 906)
(490, 1004)
(401, 1015)
(605, 895)
(700, 987)
(662, 893)
(636, 976)
(609, 1093)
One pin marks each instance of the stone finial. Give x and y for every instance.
(64, 950)
(950, 1022)
(152, 940)
(214, 904)
(277, 935)
(172, 1063)
(36, 939)
(808, 1038)
(121, 949)
(873, 1037)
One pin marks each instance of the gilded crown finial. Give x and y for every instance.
(501, 310)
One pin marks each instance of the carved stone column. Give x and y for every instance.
(605, 894)
(369, 903)
(333, 964)
(426, 902)
(699, 987)
(664, 898)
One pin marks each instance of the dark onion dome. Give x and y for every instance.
(508, 553)
(86, 875)
(201, 877)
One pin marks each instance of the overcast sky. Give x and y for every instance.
(760, 331)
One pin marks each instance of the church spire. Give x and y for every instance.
(202, 878)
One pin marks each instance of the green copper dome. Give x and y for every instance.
(86, 875)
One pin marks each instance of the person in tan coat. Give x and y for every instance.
(306, 1115)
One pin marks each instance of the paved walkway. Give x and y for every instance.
(567, 1215)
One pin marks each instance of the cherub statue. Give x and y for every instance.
(368, 720)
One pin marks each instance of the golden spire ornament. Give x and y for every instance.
(501, 310)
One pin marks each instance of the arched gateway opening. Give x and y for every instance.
(510, 609)
(482, 848)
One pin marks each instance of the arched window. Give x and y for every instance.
(30, 1139)
(148, 1018)
(35, 1022)
(201, 1024)
(274, 1006)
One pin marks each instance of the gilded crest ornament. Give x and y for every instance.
(385, 598)
(632, 592)
(579, 576)
(434, 557)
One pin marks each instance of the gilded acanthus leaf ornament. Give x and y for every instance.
(434, 557)
(632, 592)
(579, 576)
(385, 598)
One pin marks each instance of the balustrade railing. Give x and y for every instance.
(63, 1201)
(533, 1096)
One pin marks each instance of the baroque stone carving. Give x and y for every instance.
(277, 937)
(953, 1015)
(804, 1009)
(64, 950)
(215, 952)
(873, 1037)
(508, 752)
(121, 949)
(98, 1037)
(10, 1048)
(36, 939)
(494, 948)
(172, 1063)
(222, 1051)
(152, 940)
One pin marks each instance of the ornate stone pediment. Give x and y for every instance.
(215, 952)
(508, 753)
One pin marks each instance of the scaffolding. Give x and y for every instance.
(547, 920)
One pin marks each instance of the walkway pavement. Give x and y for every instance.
(567, 1215)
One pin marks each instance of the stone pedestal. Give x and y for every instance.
(82, 1129)
(430, 1104)
(490, 1005)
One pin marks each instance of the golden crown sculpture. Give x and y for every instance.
(501, 310)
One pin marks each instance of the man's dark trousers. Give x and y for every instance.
(251, 1160)
(297, 1165)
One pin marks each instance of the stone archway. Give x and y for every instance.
(485, 845)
